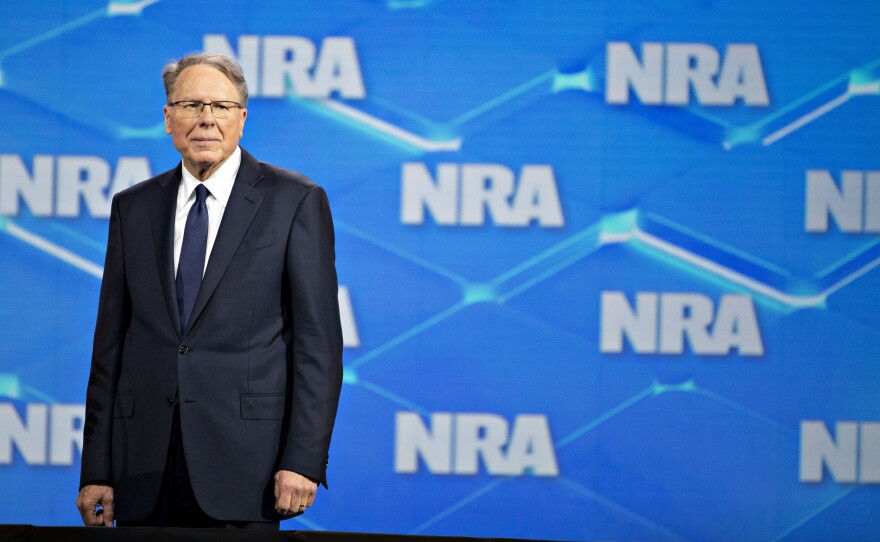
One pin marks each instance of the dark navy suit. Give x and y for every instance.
(257, 373)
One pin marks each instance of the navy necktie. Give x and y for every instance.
(192, 256)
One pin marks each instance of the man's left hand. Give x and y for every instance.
(293, 492)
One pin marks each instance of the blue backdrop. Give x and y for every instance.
(608, 269)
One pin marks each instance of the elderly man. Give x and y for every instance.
(216, 367)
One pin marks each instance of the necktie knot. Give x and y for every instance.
(201, 193)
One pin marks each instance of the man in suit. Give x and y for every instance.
(216, 368)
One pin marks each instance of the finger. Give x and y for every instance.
(86, 511)
(107, 513)
(94, 518)
(313, 492)
(282, 502)
(304, 492)
(88, 516)
(304, 501)
(299, 494)
(81, 509)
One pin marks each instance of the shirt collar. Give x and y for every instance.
(219, 184)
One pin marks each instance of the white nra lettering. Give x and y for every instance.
(455, 444)
(462, 194)
(59, 185)
(48, 435)
(854, 204)
(852, 457)
(276, 66)
(660, 323)
(668, 72)
(350, 336)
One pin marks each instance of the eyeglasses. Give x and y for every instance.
(193, 108)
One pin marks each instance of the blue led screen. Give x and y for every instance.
(608, 270)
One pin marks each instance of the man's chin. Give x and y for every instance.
(202, 164)
(206, 158)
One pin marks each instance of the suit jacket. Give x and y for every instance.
(256, 374)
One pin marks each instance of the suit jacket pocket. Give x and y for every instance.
(255, 243)
(123, 405)
(263, 407)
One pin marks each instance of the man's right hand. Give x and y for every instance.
(89, 499)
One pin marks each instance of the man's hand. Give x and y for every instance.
(92, 496)
(293, 492)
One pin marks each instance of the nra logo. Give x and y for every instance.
(472, 194)
(852, 455)
(61, 185)
(663, 323)
(46, 435)
(457, 444)
(276, 66)
(853, 203)
(674, 73)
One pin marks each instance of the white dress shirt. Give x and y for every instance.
(219, 186)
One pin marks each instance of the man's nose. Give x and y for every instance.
(207, 116)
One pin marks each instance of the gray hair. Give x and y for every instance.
(223, 63)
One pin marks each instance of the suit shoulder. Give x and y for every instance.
(287, 179)
(145, 187)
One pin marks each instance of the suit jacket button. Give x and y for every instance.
(183, 350)
(169, 401)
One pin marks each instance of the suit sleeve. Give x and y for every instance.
(114, 315)
(317, 338)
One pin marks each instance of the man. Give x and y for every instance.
(216, 368)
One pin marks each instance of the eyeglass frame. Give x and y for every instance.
(209, 104)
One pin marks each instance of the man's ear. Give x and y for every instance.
(166, 110)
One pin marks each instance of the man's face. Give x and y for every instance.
(204, 142)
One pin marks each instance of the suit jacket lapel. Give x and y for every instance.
(244, 201)
(162, 207)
